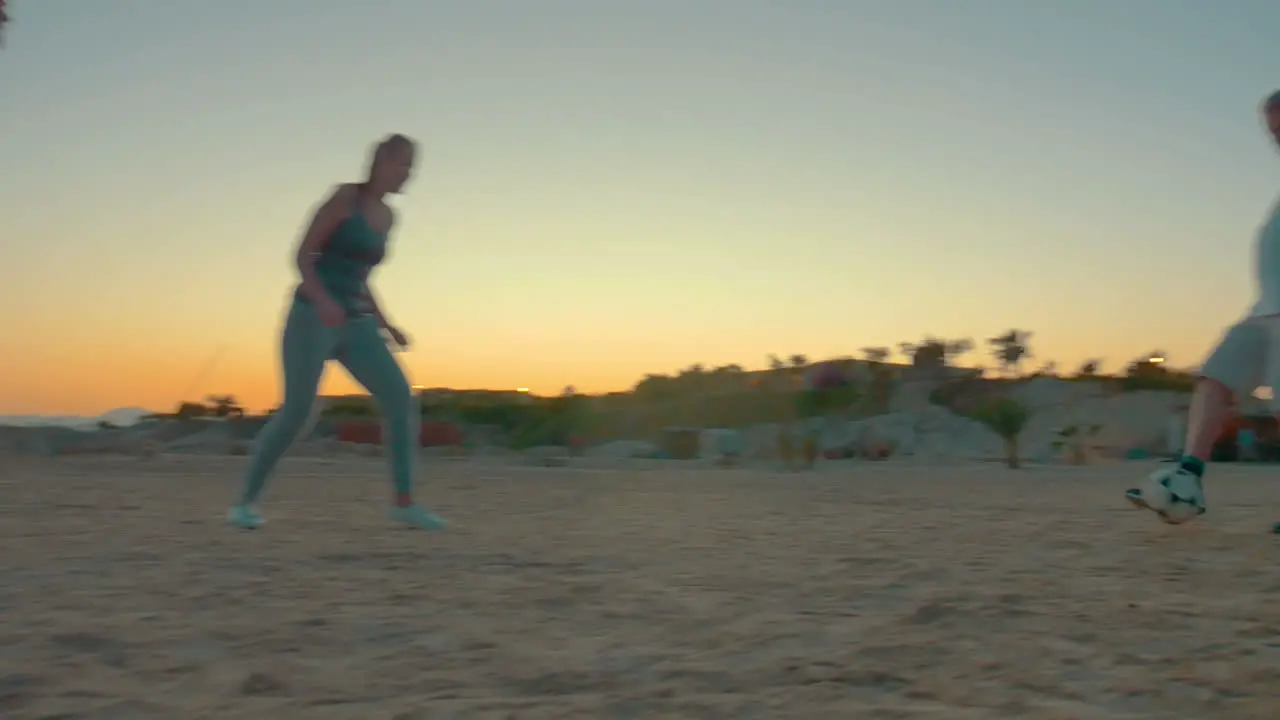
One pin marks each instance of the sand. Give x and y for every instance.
(860, 592)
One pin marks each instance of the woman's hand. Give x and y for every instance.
(398, 337)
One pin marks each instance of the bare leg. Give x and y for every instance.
(1210, 407)
(1237, 365)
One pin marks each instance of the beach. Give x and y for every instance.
(664, 590)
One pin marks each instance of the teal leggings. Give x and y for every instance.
(359, 346)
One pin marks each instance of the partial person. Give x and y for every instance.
(334, 314)
(1246, 357)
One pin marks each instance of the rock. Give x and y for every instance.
(723, 445)
(257, 683)
(547, 456)
(623, 449)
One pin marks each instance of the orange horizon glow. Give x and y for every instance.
(151, 385)
(606, 191)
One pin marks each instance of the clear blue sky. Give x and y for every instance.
(614, 188)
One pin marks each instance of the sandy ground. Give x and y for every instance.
(855, 592)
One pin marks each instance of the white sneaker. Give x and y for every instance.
(1175, 494)
(245, 517)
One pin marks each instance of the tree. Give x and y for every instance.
(775, 363)
(798, 361)
(1149, 365)
(954, 349)
(563, 418)
(876, 355)
(1049, 369)
(881, 388)
(224, 406)
(908, 351)
(1075, 442)
(818, 406)
(931, 352)
(655, 387)
(1006, 417)
(354, 406)
(1089, 369)
(1152, 372)
(188, 410)
(1010, 349)
(826, 402)
(728, 378)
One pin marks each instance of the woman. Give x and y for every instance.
(334, 315)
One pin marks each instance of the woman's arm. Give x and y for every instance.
(331, 213)
(376, 309)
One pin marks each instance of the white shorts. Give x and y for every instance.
(1247, 357)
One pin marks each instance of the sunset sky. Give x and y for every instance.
(614, 187)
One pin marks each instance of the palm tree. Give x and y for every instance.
(1006, 417)
(956, 348)
(1010, 349)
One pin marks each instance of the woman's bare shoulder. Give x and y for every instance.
(345, 191)
(339, 200)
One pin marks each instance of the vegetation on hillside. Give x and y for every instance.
(214, 406)
(732, 396)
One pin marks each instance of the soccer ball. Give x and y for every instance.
(1174, 494)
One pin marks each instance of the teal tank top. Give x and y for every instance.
(344, 264)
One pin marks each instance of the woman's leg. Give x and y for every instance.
(366, 356)
(307, 344)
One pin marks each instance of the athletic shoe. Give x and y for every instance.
(245, 517)
(417, 517)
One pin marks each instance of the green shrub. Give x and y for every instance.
(1007, 418)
